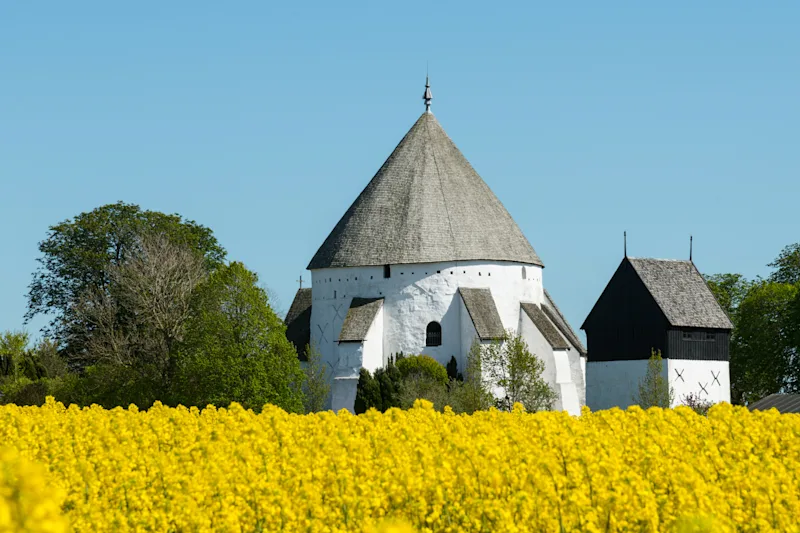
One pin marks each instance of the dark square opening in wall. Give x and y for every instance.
(387, 271)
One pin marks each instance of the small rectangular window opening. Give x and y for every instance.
(387, 271)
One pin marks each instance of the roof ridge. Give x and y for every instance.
(441, 187)
(659, 259)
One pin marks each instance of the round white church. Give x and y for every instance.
(427, 260)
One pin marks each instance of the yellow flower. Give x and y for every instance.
(230, 469)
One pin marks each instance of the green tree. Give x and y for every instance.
(390, 382)
(236, 347)
(28, 375)
(79, 253)
(13, 352)
(452, 369)
(471, 393)
(316, 386)
(516, 374)
(654, 389)
(368, 393)
(135, 324)
(729, 290)
(787, 266)
(763, 348)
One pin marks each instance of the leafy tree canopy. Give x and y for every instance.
(763, 350)
(787, 265)
(729, 290)
(78, 253)
(236, 347)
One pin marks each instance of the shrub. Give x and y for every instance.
(697, 404)
(424, 365)
(420, 386)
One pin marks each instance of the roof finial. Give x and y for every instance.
(690, 247)
(427, 96)
(625, 243)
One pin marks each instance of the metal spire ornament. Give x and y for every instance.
(427, 96)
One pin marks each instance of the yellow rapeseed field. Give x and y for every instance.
(187, 470)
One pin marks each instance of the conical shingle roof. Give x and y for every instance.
(426, 204)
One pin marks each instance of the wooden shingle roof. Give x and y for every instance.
(545, 326)
(298, 322)
(483, 312)
(784, 403)
(681, 292)
(426, 204)
(359, 319)
(557, 317)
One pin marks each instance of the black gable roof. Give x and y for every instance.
(676, 287)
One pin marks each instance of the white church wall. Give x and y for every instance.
(582, 393)
(577, 376)
(468, 334)
(415, 295)
(350, 360)
(558, 367)
(565, 387)
(343, 393)
(691, 377)
(538, 346)
(373, 344)
(614, 383)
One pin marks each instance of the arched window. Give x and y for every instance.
(433, 334)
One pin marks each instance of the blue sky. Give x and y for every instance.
(264, 120)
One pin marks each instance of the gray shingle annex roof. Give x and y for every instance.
(548, 330)
(359, 319)
(784, 403)
(298, 322)
(554, 313)
(483, 312)
(426, 204)
(681, 292)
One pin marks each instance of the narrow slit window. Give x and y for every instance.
(433, 334)
(387, 271)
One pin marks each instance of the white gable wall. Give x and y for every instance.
(614, 383)
(538, 346)
(373, 344)
(691, 377)
(468, 335)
